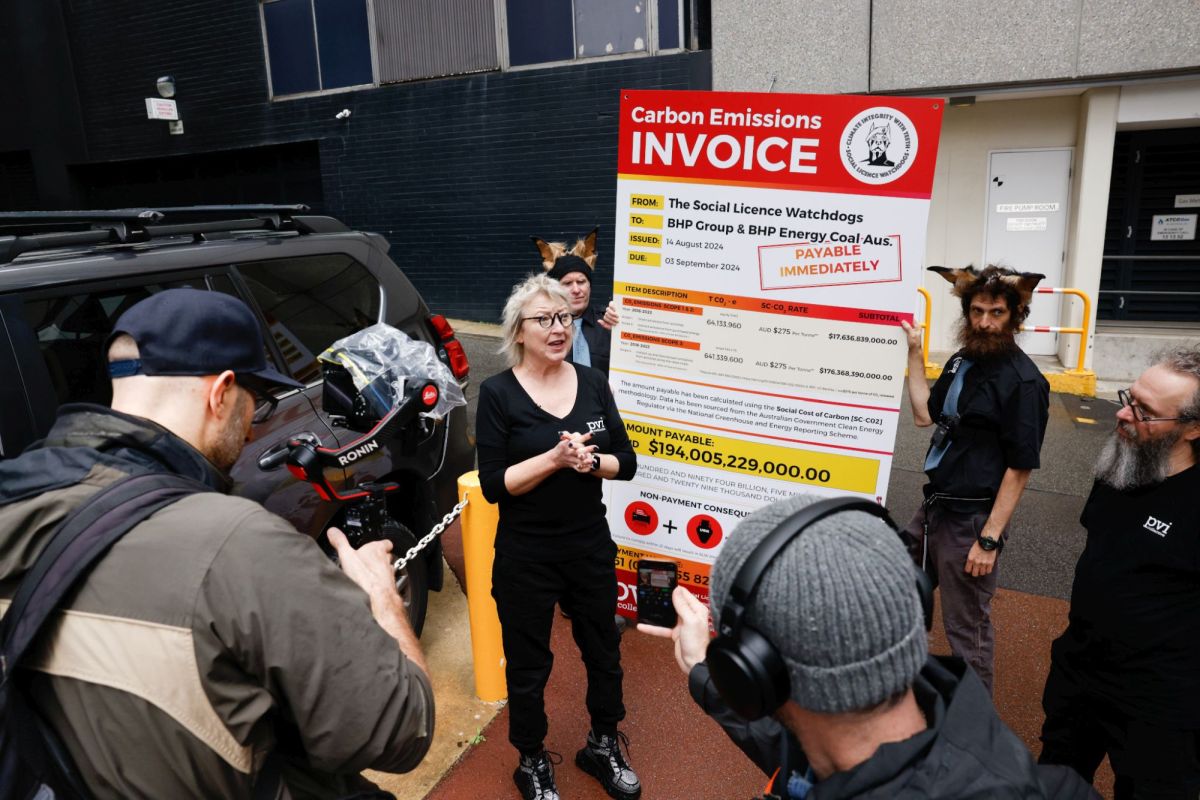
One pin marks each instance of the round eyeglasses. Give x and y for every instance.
(563, 318)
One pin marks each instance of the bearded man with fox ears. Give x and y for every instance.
(990, 406)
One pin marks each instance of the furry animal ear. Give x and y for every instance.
(1025, 282)
(960, 278)
(550, 251)
(585, 248)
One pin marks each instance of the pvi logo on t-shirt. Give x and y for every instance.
(1157, 526)
(595, 426)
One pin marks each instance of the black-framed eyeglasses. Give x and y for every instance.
(563, 318)
(264, 403)
(1127, 401)
(264, 407)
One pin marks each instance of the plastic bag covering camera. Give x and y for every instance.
(381, 359)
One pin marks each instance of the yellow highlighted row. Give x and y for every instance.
(851, 473)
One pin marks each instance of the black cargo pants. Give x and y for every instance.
(526, 593)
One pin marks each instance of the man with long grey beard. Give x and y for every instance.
(1125, 676)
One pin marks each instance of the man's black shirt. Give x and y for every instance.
(1134, 634)
(1003, 410)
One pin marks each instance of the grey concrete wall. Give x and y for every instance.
(804, 45)
(1117, 36)
(910, 45)
(1121, 355)
(957, 230)
(934, 43)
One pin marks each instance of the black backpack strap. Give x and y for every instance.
(266, 787)
(76, 546)
(80, 541)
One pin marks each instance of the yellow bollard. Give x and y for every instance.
(479, 521)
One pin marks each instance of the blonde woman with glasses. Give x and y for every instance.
(547, 432)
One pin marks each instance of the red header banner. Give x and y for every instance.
(819, 143)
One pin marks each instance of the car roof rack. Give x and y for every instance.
(26, 231)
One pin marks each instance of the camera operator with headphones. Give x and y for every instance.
(820, 671)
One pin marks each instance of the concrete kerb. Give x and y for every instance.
(1061, 379)
(475, 328)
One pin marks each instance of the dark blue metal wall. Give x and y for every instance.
(456, 172)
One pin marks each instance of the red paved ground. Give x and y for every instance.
(679, 753)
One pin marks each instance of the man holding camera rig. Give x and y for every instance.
(214, 651)
(990, 405)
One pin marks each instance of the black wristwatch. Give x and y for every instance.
(595, 461)
(988, 543)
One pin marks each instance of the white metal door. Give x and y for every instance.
(1028, 191)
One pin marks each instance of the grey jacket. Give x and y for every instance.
(210, 635)
(966, 752)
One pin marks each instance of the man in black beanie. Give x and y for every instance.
(593, 332)
(867, 712)
(591, 344)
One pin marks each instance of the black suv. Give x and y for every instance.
(66, 276)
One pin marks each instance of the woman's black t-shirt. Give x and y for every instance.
(563, 517)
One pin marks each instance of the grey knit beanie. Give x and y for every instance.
(839, 602)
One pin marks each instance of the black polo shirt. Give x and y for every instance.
(1003, 410)
(1134, 633)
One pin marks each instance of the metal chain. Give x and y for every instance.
(434, 532)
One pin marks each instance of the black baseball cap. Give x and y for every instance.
(196, 332)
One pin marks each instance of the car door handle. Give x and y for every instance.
(277, 454)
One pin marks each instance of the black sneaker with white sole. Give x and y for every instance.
(603, 760)
(535, 776)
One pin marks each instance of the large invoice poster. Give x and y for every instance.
(767, 248)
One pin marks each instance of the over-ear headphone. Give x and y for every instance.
(747, 670)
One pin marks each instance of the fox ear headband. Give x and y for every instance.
(968, 280)
(585, 248)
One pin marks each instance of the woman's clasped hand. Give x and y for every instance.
(572, 452)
